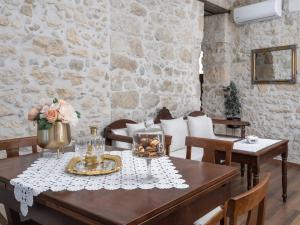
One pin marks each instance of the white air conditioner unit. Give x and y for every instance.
(261, 11)
(294, 5)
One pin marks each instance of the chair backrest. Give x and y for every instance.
(210, 148)
(163, 114)
(249, 202)
(168, 142)
(12, 146)
(197, 113)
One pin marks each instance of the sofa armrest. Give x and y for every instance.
(116, 137)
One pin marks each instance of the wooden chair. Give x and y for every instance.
(210, 148)
(12, 146)
(226, 122)
(252, 202)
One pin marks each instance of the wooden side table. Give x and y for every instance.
(254, 160)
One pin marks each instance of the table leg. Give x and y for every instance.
(249, 176)
(242, 169)
(13, 217)
(284, 176)
(256, 171)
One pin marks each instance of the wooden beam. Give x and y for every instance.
(213, 9)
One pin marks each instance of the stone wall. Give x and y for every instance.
(216, 62)
(155, 46)
(110, 58)
(49, 49)
(273, 110)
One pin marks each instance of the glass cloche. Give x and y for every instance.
(149, 143)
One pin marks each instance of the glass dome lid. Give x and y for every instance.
(148, 143)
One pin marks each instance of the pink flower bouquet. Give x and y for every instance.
(49, 112)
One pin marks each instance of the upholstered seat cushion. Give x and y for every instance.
(204, 219)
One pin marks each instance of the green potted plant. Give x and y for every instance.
(232, 103)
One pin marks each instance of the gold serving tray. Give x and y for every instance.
(106, 165)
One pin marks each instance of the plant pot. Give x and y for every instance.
(234, 118)
(55, 138)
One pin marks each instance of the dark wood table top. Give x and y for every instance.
(126, 206)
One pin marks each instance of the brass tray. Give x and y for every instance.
(106, 165)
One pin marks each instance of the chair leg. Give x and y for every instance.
(13, 217)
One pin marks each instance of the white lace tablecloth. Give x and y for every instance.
(49, 174)
(261, 143)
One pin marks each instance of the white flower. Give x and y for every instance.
(45, 109)
(43, 102)
(67, 114)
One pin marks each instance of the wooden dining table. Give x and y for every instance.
(209, 187)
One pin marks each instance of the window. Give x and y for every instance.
(200, 63)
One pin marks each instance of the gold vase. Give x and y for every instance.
(55, 138)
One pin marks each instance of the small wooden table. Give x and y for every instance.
(254, 160)
(209, 187)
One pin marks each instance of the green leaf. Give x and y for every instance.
(43, 124)
(38, 116)
(232, 102)
(78, 114)
(55, 100)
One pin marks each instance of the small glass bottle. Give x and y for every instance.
(91, 156)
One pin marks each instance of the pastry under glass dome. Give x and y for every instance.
(149, 143)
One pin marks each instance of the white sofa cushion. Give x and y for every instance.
(133, 127)
(201, 126)
(120, 144)
(177, 128)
